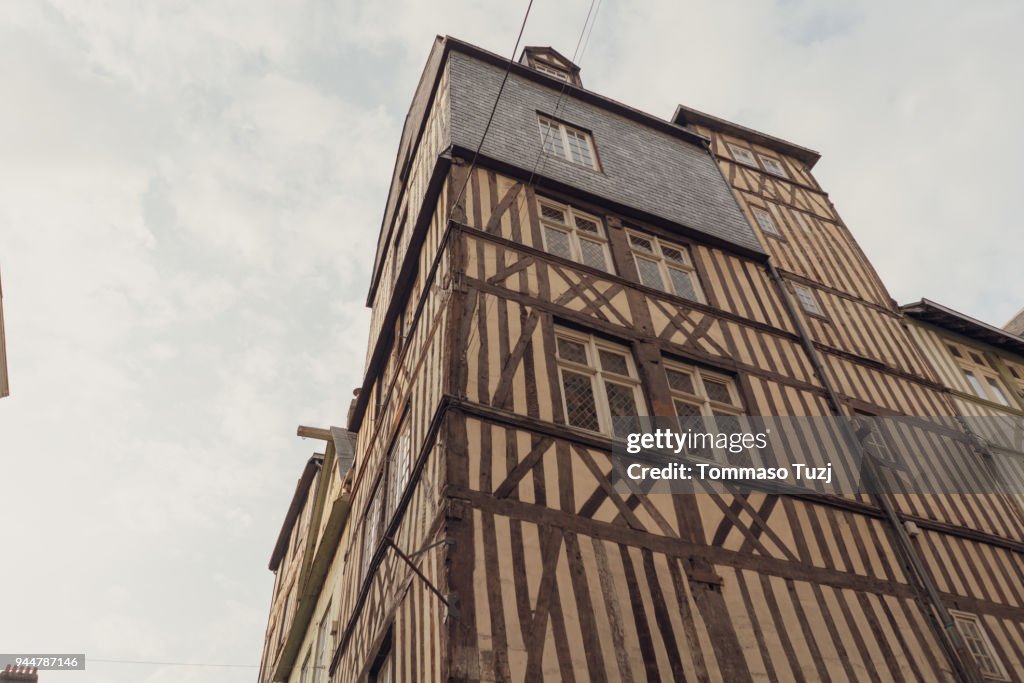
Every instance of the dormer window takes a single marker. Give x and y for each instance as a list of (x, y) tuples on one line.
[(551, 62), (552, 71), (572, 144)]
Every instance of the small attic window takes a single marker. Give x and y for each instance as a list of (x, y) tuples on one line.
[(552, 63), (552, 71)]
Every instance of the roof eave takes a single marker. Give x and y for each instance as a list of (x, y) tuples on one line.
[(298, 500), (687, 115), (960, 323)]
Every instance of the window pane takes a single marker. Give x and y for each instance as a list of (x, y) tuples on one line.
[(765, 220), (621, 403), (675, 255), (680, 381), (572, 350), (687, 410), (650, 273), (978, 645), (557, 242), (744, 156), (691, 419), (773, 166), (955, 351), (579, 401), (552, 214), (551, 136), (593, 254), (398, 470), (997, 392), (551, 71), (641, 243), (371, 528), (807, 299), (975, 384), (977, 359), (614, 362), (579, 149), (587, 225), (682, 282), (717, 391)]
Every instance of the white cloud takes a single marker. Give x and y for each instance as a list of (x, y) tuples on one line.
[(189, 201)]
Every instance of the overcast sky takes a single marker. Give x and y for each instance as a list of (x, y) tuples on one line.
[(190, 195)]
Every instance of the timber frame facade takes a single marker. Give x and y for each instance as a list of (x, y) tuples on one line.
[(484, 540)]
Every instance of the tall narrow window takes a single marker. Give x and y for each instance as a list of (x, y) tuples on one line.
[(979, 390), (808, 301), (306, 666), (572, 144), (742, 155), (765, 221), (371, 524), (398, 468), (980, 646), (575, 235), (665, 266), (323, 649), (599, 384), (773, 166), (997, 392)]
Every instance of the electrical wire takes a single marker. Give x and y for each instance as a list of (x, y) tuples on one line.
[(494, 108), (591, 18)]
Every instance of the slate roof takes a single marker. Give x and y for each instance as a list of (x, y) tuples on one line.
[(647, 164)]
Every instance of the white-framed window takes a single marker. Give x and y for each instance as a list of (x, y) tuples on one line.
[(398, 467), (981, 377), (572, 234), (665, 266), (987, 388), (808, 300), (599, 383), (572, 144), (323, 650), (765, 221), (698, 394), (742, 155), (553, 71), (773, 165), (980, 646), (372, 523)]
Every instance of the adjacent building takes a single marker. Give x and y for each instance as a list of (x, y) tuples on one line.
[(590, 261), (982, 368)]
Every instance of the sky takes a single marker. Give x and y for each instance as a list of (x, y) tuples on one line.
[(190, 194)]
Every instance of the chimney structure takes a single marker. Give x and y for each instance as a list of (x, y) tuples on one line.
[(22, 674)]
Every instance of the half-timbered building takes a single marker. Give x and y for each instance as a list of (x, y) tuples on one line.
[(555, 261), (982, 368)]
